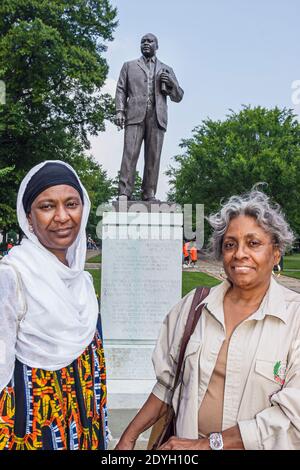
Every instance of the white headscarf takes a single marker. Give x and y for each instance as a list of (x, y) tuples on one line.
[(62, 307)]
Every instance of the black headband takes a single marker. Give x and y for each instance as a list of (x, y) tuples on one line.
[(51, 174)]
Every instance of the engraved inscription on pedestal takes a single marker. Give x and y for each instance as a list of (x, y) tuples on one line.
[(140, 282), (126, 361)]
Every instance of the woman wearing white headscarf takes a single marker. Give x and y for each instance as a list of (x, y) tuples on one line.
[(52, 369)]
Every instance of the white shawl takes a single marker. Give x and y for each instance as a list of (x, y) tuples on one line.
[(62, 307)]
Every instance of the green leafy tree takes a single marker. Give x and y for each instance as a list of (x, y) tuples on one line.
[(4, 172), (97, 184), (51, 60), (7, 213), (228, 157)]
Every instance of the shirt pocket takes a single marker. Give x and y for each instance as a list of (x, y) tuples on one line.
[(269, 370), (265, 384)]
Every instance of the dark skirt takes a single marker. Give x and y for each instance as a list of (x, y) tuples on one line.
[(57, 410)]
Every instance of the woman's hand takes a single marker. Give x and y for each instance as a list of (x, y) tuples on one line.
[(176, 443)]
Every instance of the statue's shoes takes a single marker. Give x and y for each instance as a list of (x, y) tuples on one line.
[(151, 199), (122, 197)]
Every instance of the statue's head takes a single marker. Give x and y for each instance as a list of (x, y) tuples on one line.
[(149, 45)]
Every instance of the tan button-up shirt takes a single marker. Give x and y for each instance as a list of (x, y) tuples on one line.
[(262, 387)]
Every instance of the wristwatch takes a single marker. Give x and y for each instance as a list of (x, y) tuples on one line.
[(216, 441)]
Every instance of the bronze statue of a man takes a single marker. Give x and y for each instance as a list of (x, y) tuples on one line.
[(141, 105)]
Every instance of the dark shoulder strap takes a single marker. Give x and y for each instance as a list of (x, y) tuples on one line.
[(193, 318)]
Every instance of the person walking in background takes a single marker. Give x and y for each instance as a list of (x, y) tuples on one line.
[(186, 255), (52, 368), (89, 242), (10, 245), (193, 255), (94, 246)]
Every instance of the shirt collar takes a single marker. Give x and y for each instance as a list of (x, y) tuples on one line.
[(273, 303), (152, 59)]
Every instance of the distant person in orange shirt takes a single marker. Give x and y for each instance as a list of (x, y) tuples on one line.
[(193, 255), (186, 256)]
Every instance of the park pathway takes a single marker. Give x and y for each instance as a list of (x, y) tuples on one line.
[(91, 254)]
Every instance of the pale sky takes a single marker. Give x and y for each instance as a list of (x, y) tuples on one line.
[(225, 53)]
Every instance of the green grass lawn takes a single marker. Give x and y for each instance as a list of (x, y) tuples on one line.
[(96, 273), (95, 259), (291, 261), (192, 280), (189, 281)]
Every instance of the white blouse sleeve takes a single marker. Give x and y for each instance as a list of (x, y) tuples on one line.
[(12, 309)]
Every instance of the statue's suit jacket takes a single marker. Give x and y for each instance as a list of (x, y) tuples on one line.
[(132, 93)]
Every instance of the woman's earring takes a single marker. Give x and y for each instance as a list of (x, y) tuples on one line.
[(31, 228), (277, 271)]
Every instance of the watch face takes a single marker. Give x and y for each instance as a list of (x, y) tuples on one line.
[(216, 441)]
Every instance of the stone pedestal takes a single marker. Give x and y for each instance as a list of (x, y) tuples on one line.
[(141, 281)]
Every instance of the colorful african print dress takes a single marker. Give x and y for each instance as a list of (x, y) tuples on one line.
[(57, 410)]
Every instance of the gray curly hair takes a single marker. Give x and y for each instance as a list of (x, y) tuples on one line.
[(255, 204)]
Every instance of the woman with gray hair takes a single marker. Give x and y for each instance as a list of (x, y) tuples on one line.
[(239, 386)]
